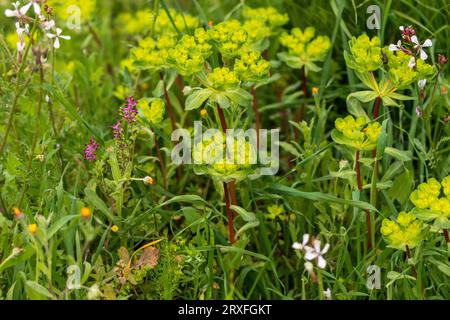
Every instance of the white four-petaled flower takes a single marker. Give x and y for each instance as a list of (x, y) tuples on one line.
[(14, 13), (422, 84), (301, 246), (47, 25), (317, 253), (395, 47), (57, 36), (36, 7), (419, 47)]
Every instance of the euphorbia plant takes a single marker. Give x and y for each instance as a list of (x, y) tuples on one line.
[(432, 203), (359, 135), (400, 68), (404, 234), (222, 92), (304, 52)]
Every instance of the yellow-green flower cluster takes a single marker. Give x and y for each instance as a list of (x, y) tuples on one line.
[(153, 112), (257, 30), (357, 133), (191, 52), (268, 15), (303, 45), (66, 9), (252, 67), (365, 54), (406, 231), (137, 23), (212, 152), (153, 54), (432, 200), (229, 37), (403, 69), (276, 211), (223, 79)]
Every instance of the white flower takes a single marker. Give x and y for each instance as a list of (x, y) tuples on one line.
[(327, 294), (419, 47), (395, 47), (301, 246), (14, 13), (20, 31), (316, 253), (36, 7), (412, 62), (422, 84), (56, 37), (20, 46), (47, 25), (309, 266)]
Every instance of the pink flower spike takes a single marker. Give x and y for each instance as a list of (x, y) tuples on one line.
[(89, 151)]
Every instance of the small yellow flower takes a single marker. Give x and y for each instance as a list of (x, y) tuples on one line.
[(203, 113), (32, 228), (149, 181), (86, 213), (315, 90), (115, 229)]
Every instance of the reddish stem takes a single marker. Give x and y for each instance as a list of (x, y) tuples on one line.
[(376, 108), (229, 214), (257, 116), (413, 268), (447, 238), (358, 172), (360, 188), (223, 123), (168, 103)]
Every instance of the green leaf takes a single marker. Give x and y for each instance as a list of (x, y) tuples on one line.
[(37, 292), (159, 89), (388, 102), (292, 61), (339, 138), (401, 155), (312, 67), (321, 197), (196, 98), (98, 203), (364, 96), (184, 198), (239, 96), (59, 224), (382, 139), (398, 96), (245, 215), (222, 100), (290, 148), (247, 226), (355, 108)]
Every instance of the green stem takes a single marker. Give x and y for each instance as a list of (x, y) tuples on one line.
[(35, 136), (18, 90)]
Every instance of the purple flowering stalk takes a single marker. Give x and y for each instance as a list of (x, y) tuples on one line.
[(89, 151), (129, 112), (117, 130)]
